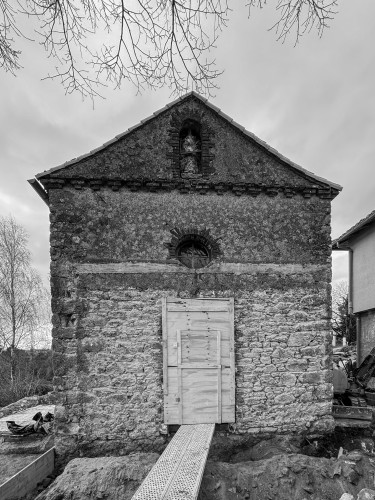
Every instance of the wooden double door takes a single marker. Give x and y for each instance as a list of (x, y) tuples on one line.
[(198, 361)]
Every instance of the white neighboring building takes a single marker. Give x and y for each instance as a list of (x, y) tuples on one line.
[(360, 242)]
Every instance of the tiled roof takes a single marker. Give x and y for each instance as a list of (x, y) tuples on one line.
[(362, 224), (239, 127)]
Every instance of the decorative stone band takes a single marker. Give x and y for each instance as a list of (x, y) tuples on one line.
[(213, 268), (192, 186)]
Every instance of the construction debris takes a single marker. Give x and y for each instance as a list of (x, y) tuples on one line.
[(39, 424)]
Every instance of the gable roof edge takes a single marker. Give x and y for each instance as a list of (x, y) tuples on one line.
[(218, 111), (362, 224)]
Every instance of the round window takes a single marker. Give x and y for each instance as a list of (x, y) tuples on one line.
[(193, 254)]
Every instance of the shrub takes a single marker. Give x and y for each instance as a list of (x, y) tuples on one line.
[(33, 375)]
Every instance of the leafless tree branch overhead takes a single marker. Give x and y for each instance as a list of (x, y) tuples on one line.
[(150, 43), (296, 17)]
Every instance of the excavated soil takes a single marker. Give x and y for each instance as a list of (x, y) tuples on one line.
[(101, 478), (282, 477), (272, 469), (288, 477)]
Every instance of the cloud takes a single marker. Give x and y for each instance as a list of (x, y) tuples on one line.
[(314, 103)]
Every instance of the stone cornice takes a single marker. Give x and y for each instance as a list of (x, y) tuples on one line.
[(191, 186)]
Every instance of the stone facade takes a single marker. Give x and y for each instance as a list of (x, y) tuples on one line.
[(114, 215)]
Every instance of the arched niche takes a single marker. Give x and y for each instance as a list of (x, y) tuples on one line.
[(190, 149)]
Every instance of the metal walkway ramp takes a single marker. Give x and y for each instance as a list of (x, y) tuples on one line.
[(177, 475)]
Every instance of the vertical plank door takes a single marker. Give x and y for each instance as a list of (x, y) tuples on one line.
[(199, 380)]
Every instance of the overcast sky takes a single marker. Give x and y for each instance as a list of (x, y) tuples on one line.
[(314, 103)]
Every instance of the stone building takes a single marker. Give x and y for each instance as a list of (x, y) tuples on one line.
[(190, 274), (359, 241)]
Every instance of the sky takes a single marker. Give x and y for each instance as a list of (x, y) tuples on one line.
[(313, 102)]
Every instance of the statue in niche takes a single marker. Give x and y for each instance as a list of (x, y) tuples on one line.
[(190, 154), (190, 144)]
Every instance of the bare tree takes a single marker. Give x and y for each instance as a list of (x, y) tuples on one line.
[(343, 323), (151, 43), (23, 306)]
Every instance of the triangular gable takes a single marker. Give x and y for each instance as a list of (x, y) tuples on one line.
[(240, 157)]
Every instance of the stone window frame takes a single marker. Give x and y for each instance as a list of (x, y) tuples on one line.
[(182, 236)]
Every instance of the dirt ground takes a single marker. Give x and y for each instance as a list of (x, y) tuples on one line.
[(288, 477), (282, 477), (279, 468), (273, 469)]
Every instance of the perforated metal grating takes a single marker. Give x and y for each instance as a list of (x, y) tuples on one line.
[(178, 473)]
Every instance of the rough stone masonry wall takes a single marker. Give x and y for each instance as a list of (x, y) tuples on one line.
[(107, 318), (284, 380)]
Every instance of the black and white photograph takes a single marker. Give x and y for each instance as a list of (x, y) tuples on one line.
[(187, 250)]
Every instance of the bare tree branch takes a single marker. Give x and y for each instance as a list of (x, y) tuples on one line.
[(8, 29), (343, 323), (150, 43), (300, 16)]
